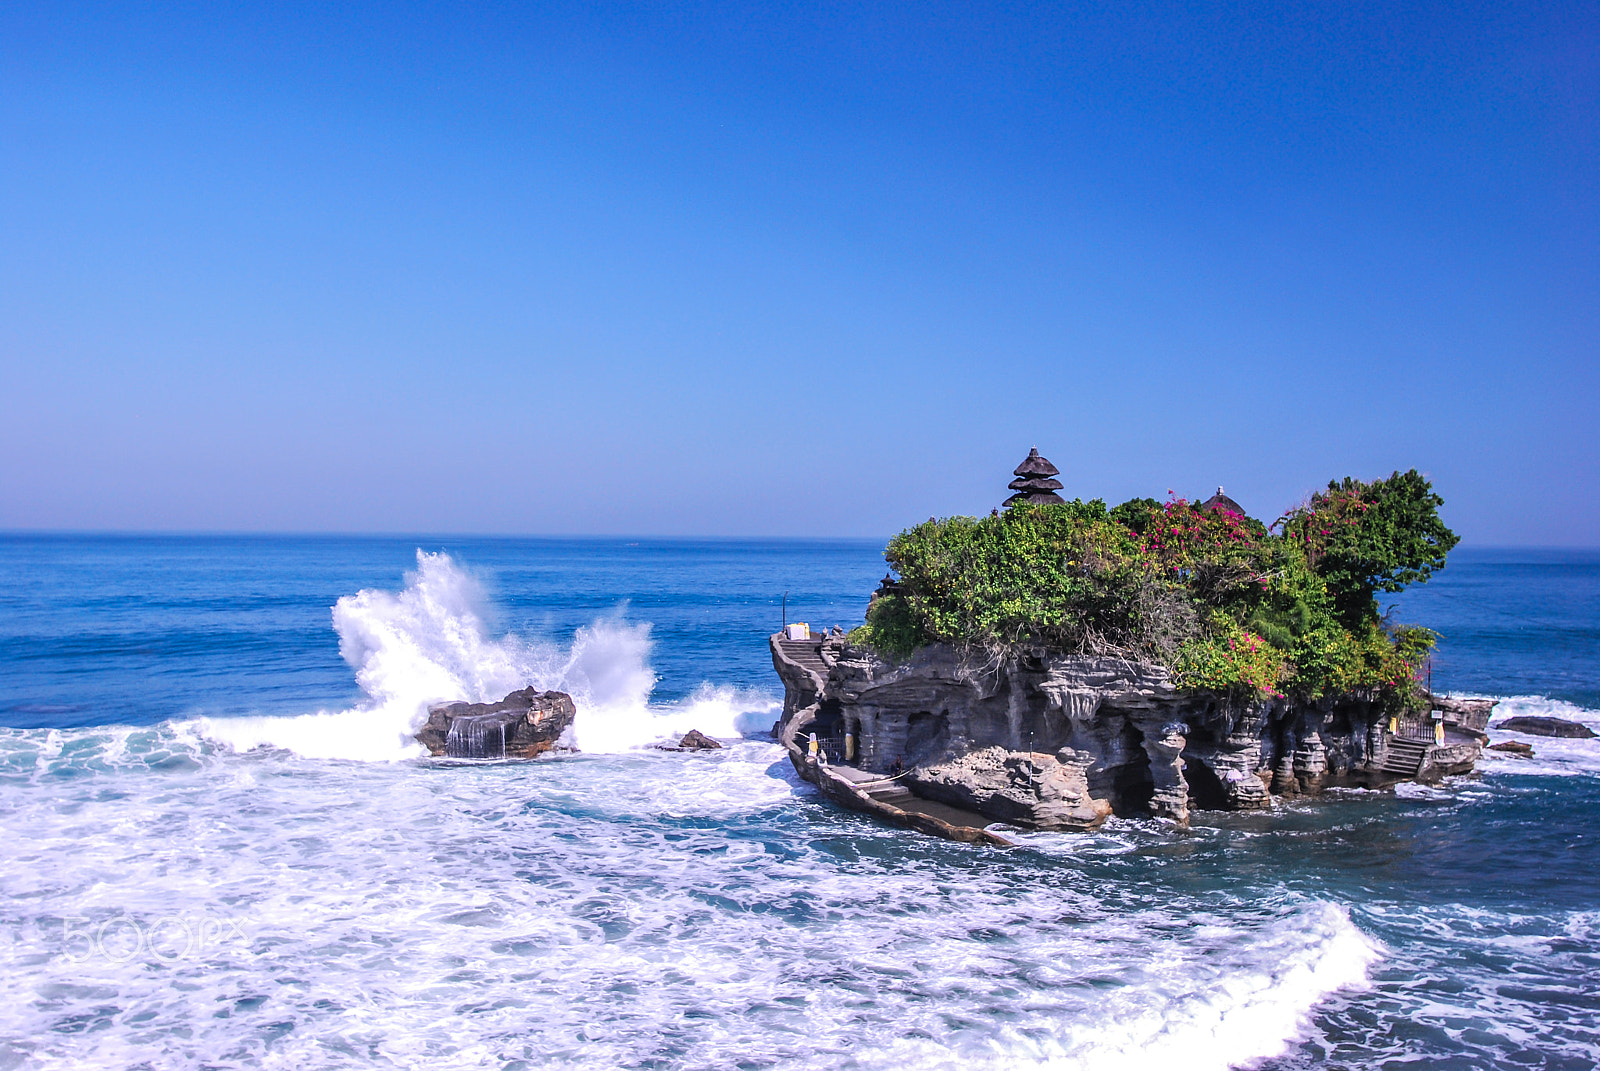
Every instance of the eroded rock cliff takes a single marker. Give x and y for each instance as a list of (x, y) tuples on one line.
[(1049, 741)]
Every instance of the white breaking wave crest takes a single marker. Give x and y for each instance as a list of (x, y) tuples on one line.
[(1551, 755), (1256, 1007), (428, 644)]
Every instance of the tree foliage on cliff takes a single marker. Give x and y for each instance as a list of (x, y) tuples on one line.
[(1228, 604)]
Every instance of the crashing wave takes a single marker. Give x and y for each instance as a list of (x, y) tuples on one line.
[(428, 644)]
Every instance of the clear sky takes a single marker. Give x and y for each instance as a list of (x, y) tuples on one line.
[(791, 269)]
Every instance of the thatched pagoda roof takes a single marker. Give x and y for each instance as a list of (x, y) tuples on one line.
[(1035, 498), (1220, 501), (1034, 465), (1034, 483)]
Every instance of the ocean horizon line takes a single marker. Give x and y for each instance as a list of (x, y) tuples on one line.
[(596, 537), (585, 537)]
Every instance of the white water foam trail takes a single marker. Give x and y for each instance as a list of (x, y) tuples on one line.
[(1248, 1015), (428, 644)]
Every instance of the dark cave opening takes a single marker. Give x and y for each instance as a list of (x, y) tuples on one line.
[(1206, 790), (1132, 786)]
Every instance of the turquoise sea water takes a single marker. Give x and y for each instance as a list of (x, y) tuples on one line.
[(220, 853)]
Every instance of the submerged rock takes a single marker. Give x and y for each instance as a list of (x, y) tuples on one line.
[(523, 724), (1539, 725)]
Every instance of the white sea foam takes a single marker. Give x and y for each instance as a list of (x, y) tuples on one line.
[(428, 644), (1413, 790), (1520, 983), (1251, 1014), (1552, 756), (601, 911)]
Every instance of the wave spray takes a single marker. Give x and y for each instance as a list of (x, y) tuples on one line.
[(428, 644)]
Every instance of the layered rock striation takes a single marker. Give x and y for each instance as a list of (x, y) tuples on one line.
[(1056, 742)]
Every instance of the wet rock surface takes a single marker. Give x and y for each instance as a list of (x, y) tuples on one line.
[(524, 724), (1537, 725), (1513, 747), (695, 740)]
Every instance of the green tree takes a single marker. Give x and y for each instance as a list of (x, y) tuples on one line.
[(1365, 537)]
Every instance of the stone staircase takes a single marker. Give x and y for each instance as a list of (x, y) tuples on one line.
[(806, 653), (1404, 757), (892, 792)]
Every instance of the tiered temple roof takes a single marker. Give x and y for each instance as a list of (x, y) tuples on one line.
[(1033, 481)]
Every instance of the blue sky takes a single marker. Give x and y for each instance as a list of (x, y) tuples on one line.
[(791, 270)]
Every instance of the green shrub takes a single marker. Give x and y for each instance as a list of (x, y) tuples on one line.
[(1061, 576), (1227, 658), (891, 628)]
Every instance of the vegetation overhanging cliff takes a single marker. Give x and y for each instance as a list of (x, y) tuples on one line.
[(1226, 604)]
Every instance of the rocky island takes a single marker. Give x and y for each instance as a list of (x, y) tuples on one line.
[(1059, 662)]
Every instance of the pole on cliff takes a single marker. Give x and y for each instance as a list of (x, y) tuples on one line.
[(785, 612)]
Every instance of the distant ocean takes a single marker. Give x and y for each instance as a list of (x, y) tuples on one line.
[(220, 850)]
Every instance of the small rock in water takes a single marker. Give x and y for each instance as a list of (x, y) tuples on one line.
[(695, 740), (523, 724), (1515, 747), (1543, 726)]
